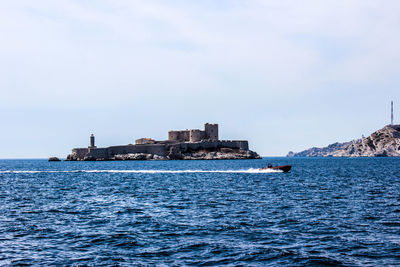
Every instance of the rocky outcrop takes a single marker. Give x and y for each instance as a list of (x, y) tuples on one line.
[(135, 156), (223, 153), (176, 154), (319, 151), (382, 143), (72, 157)]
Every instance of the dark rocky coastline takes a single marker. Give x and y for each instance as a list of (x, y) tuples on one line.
[(177, 154), (382, 143)]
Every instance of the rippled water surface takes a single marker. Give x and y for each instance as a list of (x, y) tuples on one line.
[(325, 212)]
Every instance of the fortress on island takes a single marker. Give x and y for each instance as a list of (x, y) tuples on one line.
[(186, 144)]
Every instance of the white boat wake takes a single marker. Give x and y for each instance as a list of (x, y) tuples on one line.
[(251, 170)]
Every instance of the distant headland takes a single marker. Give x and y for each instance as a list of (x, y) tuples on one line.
[(382, 143), (193, 144)]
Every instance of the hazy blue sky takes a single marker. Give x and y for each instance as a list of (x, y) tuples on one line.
[(286, 75)]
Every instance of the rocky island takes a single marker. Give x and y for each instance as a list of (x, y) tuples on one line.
[(382, 143), (190, 144)]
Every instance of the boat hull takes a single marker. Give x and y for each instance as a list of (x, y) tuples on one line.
[(284, 168)]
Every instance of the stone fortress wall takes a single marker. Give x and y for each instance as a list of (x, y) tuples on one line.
[(80, 152), (144, 141), (158, 149), (234, 144), (196, 136), (210, 132), (179, 136), (185, 141)]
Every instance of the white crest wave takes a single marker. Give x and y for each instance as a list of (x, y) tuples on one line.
[(251, 170)]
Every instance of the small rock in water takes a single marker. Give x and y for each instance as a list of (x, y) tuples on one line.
[(54, 159)]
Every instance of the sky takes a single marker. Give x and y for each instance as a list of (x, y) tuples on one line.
[(285, 75)]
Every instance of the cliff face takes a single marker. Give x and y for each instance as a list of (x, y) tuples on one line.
[(382, 143)]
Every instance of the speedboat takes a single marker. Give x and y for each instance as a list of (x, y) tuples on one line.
[(284, 168)]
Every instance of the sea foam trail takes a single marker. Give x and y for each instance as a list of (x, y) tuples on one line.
[(251, 170)]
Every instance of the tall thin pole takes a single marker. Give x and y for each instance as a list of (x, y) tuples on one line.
[(391, 117)]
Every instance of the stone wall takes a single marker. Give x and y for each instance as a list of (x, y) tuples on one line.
[(157, 149), (80, 152), (98, 153), (235, 144), (179, 136), (241, 144), (196, 135), (143, 141)]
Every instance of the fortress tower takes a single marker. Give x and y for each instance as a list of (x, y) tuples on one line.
[(180, 136), (211, 131), (196, 136)]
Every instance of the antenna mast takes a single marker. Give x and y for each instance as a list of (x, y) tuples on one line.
[(391, 117)]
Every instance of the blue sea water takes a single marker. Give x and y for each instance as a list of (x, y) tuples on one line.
[(327, 211)]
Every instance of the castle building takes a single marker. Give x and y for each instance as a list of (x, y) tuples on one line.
[(209, 133), (186, 140)]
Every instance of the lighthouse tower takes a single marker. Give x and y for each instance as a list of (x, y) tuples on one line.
[(92, 145)]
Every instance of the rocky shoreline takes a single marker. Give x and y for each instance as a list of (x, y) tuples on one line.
[(176, 154), (382, 143)]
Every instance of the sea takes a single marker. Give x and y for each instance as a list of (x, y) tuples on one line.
[(325, 212)]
